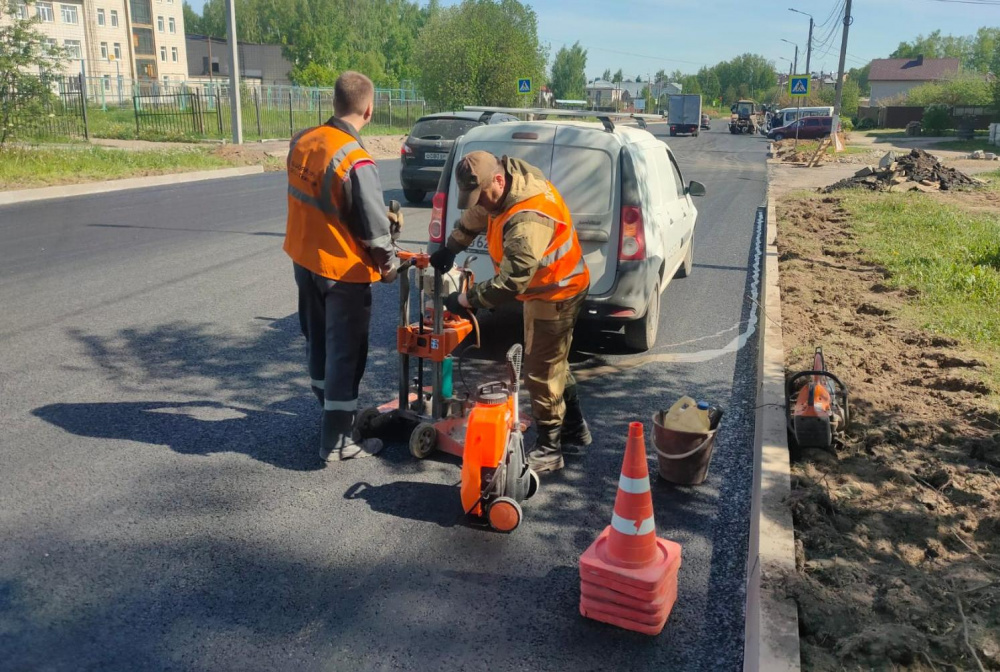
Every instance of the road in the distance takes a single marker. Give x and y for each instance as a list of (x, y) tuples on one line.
[(161, 505)]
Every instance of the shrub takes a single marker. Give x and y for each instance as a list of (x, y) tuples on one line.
[(937, 118)]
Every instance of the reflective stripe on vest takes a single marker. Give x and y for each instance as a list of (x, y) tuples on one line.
[(562, 272), (316, 236)]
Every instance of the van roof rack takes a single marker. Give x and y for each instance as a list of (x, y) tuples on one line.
[(604, 117)]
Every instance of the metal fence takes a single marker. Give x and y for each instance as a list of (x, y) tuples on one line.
[(115, 107), (53, 111)]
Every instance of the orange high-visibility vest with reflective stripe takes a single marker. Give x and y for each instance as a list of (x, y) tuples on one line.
[(316, 235), (562, 273)]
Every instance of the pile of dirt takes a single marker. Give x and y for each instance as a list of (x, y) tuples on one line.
[(383, 146), (790, 151), (897, 532), (253, 154), (892, 174)]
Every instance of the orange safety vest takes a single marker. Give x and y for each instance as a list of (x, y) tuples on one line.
[(562, 273), (316, 235)]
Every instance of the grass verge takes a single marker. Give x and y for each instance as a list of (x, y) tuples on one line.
[(22, 167), (967, 145), (948, 254)]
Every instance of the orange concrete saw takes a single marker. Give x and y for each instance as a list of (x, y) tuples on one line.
[(818, 411), (495, 473)]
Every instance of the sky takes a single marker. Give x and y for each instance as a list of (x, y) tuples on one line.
[(643, 36)]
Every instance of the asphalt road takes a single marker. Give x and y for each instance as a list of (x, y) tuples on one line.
[(162, 507)]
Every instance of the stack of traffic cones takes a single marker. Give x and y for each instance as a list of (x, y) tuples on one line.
[(628, 577)]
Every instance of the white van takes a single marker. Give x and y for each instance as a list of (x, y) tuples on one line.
[(608, 176), (787, 115)]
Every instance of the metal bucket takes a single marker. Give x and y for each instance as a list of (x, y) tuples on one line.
[(683, 457)]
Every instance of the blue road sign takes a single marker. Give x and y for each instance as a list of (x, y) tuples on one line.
[(798, 86), (524, 85)]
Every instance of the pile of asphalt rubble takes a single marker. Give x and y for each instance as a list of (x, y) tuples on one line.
[(916, 171)]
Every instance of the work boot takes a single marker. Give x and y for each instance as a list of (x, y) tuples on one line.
[(547, 453), (574, 428), (339, 441)]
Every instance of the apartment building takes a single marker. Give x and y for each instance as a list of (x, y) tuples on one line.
[(171, 47), (131, 39)]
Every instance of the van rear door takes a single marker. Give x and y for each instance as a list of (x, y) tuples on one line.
[(530, 142), (585, 172)]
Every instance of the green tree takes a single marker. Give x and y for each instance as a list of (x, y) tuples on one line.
[(709, 82), (730, 96), (607, 75), (962, 89), (974, 51), (860, 76), (569, 79), (691, 84), (474, 53), (661, 76), (618, 77), (27, 64)]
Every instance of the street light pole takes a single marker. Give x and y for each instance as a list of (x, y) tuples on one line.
[(795, 65), (236, 114), (809, 44)]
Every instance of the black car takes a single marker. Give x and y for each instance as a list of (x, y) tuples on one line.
[(426, 148)]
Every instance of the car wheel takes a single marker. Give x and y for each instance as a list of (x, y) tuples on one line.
[(685, 270), (778, 137), (673, 134), (641, 334), (414, 195)]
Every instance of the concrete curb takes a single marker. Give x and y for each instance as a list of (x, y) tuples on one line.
[(772, 629), (69, 190)]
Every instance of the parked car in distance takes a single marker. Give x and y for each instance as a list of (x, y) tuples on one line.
[(426, 148), (706, 123), (632, 211), (809, 128)]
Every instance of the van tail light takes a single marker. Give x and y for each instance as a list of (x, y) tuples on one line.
[(435, 230), (633, 235), (405, 150)]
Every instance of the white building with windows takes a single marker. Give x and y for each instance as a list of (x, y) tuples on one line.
[(114, 41)]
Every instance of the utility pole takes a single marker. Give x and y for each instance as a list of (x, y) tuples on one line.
[(236, 114), (840, 72), (795, 65), (809, 49)]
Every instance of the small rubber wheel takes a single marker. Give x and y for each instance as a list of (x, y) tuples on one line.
[(533, 484), (504, 514), (422, 440), (366, 419)]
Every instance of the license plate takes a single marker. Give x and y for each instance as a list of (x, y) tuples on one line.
[(436, 156), (479, 244)]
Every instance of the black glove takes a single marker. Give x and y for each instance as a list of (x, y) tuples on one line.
[(443, 260), (454, 307)]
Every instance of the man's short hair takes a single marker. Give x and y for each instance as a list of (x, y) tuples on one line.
[(352, 93)]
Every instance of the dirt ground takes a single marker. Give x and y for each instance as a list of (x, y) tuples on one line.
[(253, 153), (898, 532)]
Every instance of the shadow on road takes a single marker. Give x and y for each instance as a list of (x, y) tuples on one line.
[(436, 503)]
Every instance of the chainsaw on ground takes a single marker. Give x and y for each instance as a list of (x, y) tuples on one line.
[(818, 411), (495, 473)]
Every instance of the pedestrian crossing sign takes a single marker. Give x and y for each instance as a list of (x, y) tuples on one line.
[(798, 86), (524, 85)]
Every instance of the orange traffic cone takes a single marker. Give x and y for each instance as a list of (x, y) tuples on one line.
[(628, 576)]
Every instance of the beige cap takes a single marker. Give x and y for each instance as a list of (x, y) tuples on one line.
[(473, 171)]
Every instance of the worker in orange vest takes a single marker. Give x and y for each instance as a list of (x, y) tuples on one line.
[(539, 261), (340, 238)]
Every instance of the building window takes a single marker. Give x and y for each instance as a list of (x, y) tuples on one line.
[(51, 44), (69, 14), (45, 12), (159, 23), (100, 18), (107, 82), (22, 10), (104, 50), (118, 51), (142, 41), (172, 23), (142, 12), (114, 18), (173, 54), (163, 54), (73, 49)]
